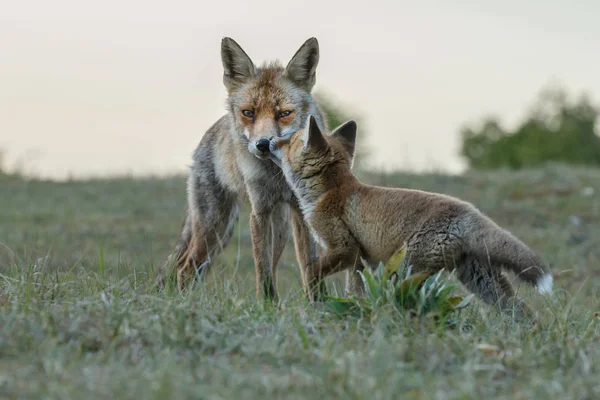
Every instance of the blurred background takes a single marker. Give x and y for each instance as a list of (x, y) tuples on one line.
[(129, 87)]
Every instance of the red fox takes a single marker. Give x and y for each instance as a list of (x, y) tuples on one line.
[(231, 164), (352, 221)]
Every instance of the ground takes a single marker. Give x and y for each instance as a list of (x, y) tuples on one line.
[(80, 318)]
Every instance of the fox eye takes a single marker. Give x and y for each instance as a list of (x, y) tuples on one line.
[(284, 114), (248, 113)]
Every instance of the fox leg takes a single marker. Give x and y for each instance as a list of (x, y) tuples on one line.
[(262, 247), (328, 264), (306, 252), (212, 212), (209, 237), (432, 252), (183, 242), (354, 283), (492, 286), (280, 231)]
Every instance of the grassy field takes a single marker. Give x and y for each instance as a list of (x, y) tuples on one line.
[(80, 319)]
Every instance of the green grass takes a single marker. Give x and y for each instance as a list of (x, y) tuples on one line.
[(79, 316)]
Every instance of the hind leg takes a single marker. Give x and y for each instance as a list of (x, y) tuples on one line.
[(493, 287), (208, 239), (165, 271), (212, 214)]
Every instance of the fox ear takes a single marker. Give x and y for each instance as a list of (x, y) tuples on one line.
[(346, 134), (303, 66), (313, 137), (238, 67)]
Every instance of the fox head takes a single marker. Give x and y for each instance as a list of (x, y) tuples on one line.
[(269, 101), (309, 154)]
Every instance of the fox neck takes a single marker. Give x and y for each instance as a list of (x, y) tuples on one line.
[(310, 189)]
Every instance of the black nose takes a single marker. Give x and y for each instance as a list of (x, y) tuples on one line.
[(262, 145)]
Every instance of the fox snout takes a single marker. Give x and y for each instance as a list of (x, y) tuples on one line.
[(260, 148), (262, 145), (275, 152), (275, 144), (272, 145)]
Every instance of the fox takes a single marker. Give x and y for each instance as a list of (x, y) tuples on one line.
[(355, 223), (231, 166)]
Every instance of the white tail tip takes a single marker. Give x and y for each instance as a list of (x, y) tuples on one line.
[(545, 283)]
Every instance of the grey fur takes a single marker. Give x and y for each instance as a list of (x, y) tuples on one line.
[(228, 170)]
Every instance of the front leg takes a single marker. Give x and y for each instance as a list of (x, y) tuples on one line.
[(306, 251), (280, 232), (354, 283), (261, 235), (329, 263)]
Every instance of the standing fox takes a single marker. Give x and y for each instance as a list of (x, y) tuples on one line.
[(351, 221), (231, 164)]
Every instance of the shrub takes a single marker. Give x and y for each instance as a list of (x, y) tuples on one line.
[(419, 295)]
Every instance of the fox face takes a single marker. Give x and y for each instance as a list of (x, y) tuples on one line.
[(308, 153), (269, 101)]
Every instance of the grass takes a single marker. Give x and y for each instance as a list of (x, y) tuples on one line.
[(79, 316)]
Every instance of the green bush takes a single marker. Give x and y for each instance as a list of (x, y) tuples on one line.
[(556, 130), (414, 295)]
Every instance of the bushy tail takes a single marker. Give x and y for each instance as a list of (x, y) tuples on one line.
[(490, 242)]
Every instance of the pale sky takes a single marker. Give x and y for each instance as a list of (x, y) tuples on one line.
[(130, 86)]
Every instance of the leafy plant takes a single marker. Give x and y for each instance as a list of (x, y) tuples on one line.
[(393, 284)]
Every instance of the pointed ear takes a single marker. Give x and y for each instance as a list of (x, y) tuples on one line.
[(313, 137), (346, 134), (303, 66), (238, 67)]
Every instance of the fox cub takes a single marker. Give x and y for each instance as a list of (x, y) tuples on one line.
[(356, 224)]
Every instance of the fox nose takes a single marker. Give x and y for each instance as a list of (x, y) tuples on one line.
[(262, 145)]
